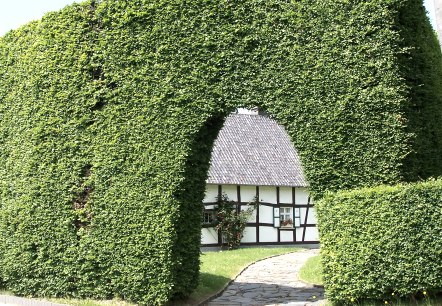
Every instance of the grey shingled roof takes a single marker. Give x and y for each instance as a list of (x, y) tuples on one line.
[(254, 150)]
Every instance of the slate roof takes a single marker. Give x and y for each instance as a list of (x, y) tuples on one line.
[(254, 150)]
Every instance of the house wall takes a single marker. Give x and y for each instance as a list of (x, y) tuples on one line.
[(261, 227)]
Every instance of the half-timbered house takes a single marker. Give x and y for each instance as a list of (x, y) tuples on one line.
[(254, 159)]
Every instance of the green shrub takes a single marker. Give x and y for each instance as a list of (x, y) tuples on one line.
[(109, 109), (383, 242)]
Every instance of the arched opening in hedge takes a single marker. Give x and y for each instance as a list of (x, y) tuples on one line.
[(254, 162)]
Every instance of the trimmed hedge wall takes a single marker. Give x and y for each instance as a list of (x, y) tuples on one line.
[(421, 65), (109, 110), (382, 242)]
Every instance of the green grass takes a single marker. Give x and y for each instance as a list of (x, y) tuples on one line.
[(89, 302), (217, 269), (311, 272)]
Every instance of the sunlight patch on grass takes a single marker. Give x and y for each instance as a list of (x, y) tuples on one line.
[(311, 272), (89, 302)]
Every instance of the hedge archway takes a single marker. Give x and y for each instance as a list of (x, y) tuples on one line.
[(109, 110)]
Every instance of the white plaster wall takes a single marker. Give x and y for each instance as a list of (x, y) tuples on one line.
[(311, 218), (299, 232), (285, 195), (301, 195), (211, 193), (303, 211), (267, 194), (286, 236), (252, 218), (249, 235), (231, 192), (311, 234), (268, 234), (265, 214), (248, 193), (209, 236)]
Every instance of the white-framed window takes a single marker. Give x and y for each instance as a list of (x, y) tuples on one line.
[(286, 216)]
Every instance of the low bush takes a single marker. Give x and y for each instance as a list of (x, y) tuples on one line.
[(382, 242)]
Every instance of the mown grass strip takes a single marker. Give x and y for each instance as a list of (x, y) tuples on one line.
[(311, 272)]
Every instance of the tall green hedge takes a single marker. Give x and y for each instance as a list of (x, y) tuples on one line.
[(383, 242), (421, 65), (108, 111)]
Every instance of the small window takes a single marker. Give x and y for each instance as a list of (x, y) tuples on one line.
[(209, 217), (286, 216)]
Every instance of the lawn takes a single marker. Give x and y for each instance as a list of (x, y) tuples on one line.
[(217, 269), (311, 273)]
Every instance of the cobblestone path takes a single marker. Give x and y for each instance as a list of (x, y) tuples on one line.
[(272, 282)]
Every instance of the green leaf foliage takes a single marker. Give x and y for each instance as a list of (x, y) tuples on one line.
[(109, 109), (421, 66), (382, 242)]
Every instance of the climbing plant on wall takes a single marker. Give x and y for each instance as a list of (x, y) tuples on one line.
[(231, 220), (109, 110)]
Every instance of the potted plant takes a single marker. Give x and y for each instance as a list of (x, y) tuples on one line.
[(287, 223)]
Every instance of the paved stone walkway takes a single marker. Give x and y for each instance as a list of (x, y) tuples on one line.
[(272, 282)]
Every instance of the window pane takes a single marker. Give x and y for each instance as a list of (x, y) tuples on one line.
[(208, 217)]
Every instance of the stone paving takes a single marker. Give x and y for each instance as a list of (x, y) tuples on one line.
[(272, 282)]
